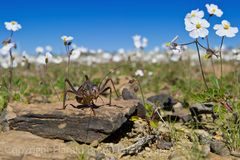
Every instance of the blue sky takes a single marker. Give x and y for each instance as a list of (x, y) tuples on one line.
[(107, 24)]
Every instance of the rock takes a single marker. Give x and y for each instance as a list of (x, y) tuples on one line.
[(177, 155), (198, 109), (205, 149), (127, 94), (177, 107), (203, 136), (213, 156), (182, 115), (16, 145), (186, 118), (115, 148), (95, 143), (163, 100), (236, 153), (47, 120), (148, 149), (219, 148), (141, 111), (164, 145), (100, 156)]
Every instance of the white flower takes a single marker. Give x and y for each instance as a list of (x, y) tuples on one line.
[(140, 42), (48, 57), (74, 46), (44, 59), (99, 51), (57, 60), (121, 51), (83, 49), (225, 29), (144, 42), (139, 72), (214, 10), (136, 38), (25, 56), (75, 54), (177, 50), (175, 57), (194, 14), (49, 48), (6, 48), (6, 64), (39, 50), (12, 26), (150, 73), (156, 49), (117, 58), (67, 39), (197, 27), (40, 59), (137, 41)]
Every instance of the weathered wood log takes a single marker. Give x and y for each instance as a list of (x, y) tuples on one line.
[(80, 124), (138, 146)]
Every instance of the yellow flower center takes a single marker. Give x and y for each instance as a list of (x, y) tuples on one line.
[(198, 26), (214, 10), (226, 26), (13, 22), (65, 39), (193, 15)]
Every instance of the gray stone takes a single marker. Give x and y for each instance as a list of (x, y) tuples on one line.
[(177, 107), (163, 100), (219, 148), (177, 155), (141, 111), (127, 94), (236, 153), (203, 136), (100, 156), (182, 115), (49, 121), (198, 109), (205, 149), (164, 145)]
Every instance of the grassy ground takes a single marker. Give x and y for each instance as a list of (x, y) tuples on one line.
[(182, 80)]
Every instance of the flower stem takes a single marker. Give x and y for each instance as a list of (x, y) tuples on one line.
[(10, 71), (11, 35), (48, 79), (68, 62), (220, 54), (212, 63), (185, 44), (10, 76), (201, 45), (201, 67), (213, 68), (140, 86)]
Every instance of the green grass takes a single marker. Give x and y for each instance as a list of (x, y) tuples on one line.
[(180, 78)]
